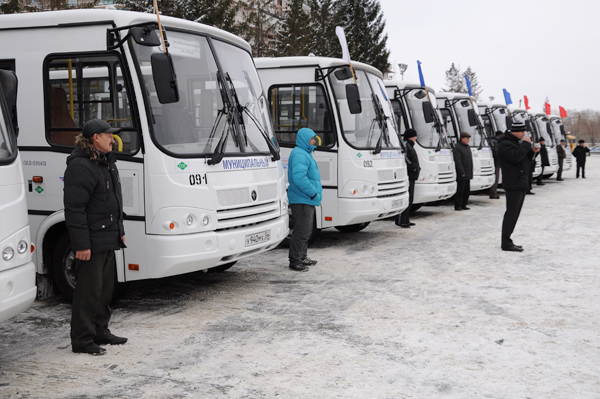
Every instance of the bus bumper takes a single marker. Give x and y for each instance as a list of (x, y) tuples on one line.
[(479, 182), (17, 290), (362, 210), (179, 254), (433, 192)]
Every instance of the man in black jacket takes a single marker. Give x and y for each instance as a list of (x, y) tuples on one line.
[(515, 154), (562, 154), (413, 168), (580, 152), (545, 160), (94, 217), (463, 161)]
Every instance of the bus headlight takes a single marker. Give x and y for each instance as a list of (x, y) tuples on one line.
[(364, 189), (284, 206), (189, 220), (22, 247), (205, 220), (8, 253)]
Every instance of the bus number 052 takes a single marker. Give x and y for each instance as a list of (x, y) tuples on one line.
[(197, 179)]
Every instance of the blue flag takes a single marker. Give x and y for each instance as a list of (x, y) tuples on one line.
[(468, 85), (507, 97), (421, 74)]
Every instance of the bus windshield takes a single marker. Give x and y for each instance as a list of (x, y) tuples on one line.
[(366, 130), (462, 108), (7, 140), (427, 133), (543, 129), (500, 119), (201, 119)]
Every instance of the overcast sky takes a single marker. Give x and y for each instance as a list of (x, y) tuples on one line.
[(536, 48)]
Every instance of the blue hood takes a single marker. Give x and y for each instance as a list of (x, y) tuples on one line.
[(303, 138)]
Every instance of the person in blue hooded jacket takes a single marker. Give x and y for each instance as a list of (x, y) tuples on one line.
[(304, 193)]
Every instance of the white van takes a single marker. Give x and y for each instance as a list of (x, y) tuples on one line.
[(199, 165), (17, 271), (461, 114), (416, 108), (360, 159)]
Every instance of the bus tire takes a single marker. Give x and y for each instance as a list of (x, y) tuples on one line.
[(352, 228), (221, 268), (63, 262)]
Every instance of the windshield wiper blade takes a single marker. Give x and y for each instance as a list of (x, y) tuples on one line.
[(382, 122), (272, 149), (220, 148)]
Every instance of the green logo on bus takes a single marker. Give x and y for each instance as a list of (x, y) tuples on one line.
[(359, 155), (182, 166), (39, 189)]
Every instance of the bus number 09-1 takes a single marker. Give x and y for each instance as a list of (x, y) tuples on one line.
[(197, 179)]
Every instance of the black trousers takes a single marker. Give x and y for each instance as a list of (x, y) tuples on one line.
[(91, 300), (514, 204), (463, 190), (539, 178), (560, 168), (494, 188), (303, 216), (580, 165), (404, 217)]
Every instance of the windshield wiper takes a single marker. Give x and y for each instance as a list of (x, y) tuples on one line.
[(382, 122), (229, 110)]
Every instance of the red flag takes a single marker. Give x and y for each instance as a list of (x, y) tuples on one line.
[(548, 109), (563, 112), (526, 103)]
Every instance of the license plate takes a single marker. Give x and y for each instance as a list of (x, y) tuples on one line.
[(396, 204), (258, 238)]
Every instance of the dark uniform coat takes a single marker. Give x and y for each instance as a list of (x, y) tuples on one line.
[(412, 161), (515, 160), (580, 153), (463, 160)]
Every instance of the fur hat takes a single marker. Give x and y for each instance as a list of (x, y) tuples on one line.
[(410, 133)]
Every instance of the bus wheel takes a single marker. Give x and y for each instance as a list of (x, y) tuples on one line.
[(352, 228), (63, 270), (221, 268), (313, 235)]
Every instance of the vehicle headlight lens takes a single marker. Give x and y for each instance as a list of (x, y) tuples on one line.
[(364, 189), (372, 189), (205, 220), (22, 247), (284, 205), (189, 220), (8, 253)]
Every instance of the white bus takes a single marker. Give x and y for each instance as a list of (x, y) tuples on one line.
[(461, 114), (541, 123), (17, 272), (415, 108), (362, 166), (523, 116), (558, 130), (199, 165)]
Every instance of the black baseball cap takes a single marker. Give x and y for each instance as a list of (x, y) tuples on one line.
[(97, 126)]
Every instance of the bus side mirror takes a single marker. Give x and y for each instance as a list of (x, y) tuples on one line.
[(528, 125), (353, 98), (145, 36), (8, 86), (343, 73), (165, 80), (509, 121), (472, 117), (428, 112)]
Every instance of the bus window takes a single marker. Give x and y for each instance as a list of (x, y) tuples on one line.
[(84, 88), (294, 107)]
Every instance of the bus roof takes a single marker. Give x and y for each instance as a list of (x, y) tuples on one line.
[(309, 61), (116, 17), (406, 84)]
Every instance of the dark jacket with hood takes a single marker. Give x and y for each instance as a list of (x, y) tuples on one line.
[(463, 159), (412, 161), (515, 160), (580, 153), (93, 199), (303, 172)]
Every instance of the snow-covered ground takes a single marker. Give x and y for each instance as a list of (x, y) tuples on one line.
[(435, 311)]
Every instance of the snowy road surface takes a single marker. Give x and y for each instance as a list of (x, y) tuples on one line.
[(435, 311)]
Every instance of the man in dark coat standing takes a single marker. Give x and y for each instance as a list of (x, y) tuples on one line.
[(413, 168), (580, 152), (494, 145), (515, 153), (94, 217), (463, 160), (562, 154), (545, 160)]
